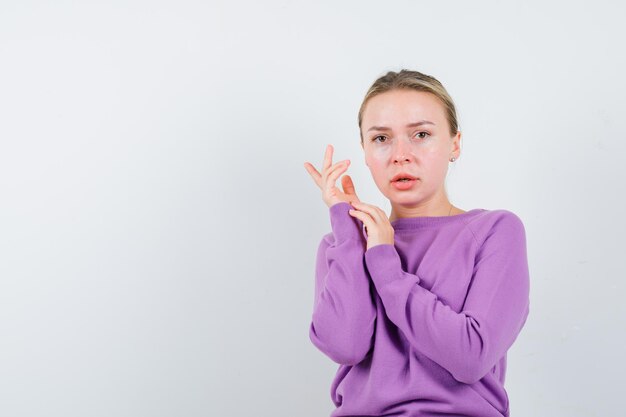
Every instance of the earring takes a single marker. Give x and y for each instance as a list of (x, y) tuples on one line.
[(452, 159)]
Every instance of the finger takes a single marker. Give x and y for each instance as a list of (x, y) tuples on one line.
[(361, 215), (364, 217), (315, 174), (348, 186), (333, 169), (341, 164), (333, 174), (328, 157), (317, 177), (375, 212)]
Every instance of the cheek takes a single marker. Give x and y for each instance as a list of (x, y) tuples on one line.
[(377, 165), (433, 155), (434, 165), (380, 154), (431, 152)]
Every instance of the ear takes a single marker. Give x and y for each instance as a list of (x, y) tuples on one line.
[(456, 145)]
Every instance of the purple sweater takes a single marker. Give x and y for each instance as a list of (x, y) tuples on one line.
[(421, 327)]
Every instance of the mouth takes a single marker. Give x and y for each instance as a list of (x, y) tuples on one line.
[(403, 177), (404, 183)]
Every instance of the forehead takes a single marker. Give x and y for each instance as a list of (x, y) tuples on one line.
[(403, 106)]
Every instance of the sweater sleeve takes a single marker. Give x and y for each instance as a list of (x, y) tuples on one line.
[(344, 314), (469, 343)]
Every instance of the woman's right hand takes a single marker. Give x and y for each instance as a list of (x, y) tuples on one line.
[(326, 180)]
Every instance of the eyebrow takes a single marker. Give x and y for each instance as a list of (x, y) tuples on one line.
[(415, 124)]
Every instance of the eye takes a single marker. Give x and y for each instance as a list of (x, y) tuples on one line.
[(423, 133), (376, 137)]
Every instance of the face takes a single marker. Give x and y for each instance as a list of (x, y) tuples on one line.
[(406, 131)]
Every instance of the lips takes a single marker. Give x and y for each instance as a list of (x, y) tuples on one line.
[(403, 175)]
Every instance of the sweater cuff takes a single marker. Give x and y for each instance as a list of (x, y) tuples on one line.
[(384, 264), (345, 226)]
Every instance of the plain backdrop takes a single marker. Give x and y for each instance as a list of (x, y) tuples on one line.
[(158, 229)]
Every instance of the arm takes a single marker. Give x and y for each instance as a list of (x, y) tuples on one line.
[(344, 314), (469, 343)]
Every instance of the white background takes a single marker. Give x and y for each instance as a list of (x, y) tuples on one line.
[(158, 228)]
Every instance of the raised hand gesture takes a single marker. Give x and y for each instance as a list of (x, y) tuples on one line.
[(326, 180)]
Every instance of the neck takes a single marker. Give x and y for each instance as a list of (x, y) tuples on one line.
[(427, 209)]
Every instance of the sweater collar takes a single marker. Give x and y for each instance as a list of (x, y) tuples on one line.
[(424, 221)]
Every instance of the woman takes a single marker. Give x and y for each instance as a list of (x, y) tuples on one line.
[(418, 309)]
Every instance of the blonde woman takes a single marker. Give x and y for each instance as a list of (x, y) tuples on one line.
[(419, 308)]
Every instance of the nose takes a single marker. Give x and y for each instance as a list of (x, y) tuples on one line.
[(402, 151)]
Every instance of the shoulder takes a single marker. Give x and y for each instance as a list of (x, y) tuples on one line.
[(500, 222)]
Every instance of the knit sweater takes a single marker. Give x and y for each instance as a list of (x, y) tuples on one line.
[(421, 327)]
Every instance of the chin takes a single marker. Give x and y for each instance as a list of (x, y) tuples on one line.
[(404, 199)]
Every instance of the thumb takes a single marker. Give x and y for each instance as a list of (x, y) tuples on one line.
[(348, 188)]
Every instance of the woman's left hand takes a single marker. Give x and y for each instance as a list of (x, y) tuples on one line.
[(377, 226)]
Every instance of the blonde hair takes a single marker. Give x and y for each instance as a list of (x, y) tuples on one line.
[(407, 80)]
